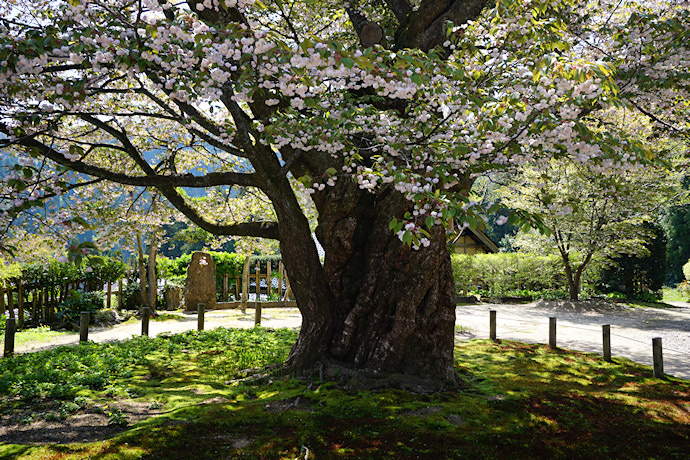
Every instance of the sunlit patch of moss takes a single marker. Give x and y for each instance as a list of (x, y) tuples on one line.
[(515, 394)]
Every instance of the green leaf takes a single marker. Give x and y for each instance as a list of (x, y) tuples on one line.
[(429, 221), (407, 238), (347, 62)]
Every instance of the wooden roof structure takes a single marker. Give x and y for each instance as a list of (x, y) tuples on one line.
[(468, 241)]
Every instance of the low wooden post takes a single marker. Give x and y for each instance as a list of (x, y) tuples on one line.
[(658, 356), (257, 314), (225, 287), (119, 294), (84, 326), (10, 329), (492, 324), (200, 310), (606, 330), (237, 287), (245, 285), (552, 332), (145, 316)]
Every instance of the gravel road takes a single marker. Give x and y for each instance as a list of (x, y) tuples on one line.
[(578, 327)]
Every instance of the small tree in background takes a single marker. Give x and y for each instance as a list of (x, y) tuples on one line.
[(590, 213)]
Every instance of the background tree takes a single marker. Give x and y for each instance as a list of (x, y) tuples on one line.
[(589, 214), (385, 111)]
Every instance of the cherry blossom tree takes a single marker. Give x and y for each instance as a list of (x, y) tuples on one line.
[(591, 215), (384, 111)]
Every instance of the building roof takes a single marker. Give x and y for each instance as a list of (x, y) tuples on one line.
[(478, 239)]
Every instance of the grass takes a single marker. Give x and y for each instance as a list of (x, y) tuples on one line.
[(39, 334), (462, 329), (642, 304), (676, 294), (520, 401)]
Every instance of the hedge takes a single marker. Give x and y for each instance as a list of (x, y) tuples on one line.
[(507, 274)]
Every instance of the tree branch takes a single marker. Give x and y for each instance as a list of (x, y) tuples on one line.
[(176, 180), (400, 8), (268, 230), (423, 28)]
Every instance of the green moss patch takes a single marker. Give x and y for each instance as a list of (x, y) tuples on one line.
[(521, 401)]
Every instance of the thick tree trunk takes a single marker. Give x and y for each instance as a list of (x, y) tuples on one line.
[(387, 309)]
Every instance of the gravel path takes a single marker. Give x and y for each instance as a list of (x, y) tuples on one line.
[(270, 318), (578, 327)]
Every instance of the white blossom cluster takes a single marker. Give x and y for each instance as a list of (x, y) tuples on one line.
[(420, 124)]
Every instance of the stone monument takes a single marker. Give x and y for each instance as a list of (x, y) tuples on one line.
[(201, 282)]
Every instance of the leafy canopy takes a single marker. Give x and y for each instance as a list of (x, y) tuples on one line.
[(239, 93)]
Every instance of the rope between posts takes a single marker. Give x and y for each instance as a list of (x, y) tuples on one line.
[(589, 329)]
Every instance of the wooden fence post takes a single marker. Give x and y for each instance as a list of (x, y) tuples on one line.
[(492, 324), (552, 332), (268, 278), (34, 305), (258, 281), (606, 330), (280, 280), (658, 356), (20, 304), (145, 316), (10, 329), (245, 285), (84, 326), (257, 313), (225, 287), (200, 310)]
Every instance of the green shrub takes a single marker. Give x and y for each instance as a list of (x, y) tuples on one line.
[(131, 295), (655, 296), (77, 302)]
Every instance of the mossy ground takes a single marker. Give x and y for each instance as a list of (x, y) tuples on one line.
[(521, 401)]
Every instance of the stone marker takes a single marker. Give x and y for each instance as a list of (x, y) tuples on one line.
[(173, 298), (201, 282)]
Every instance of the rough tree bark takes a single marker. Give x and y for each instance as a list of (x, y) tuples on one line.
[(378, 307), (375, 306)]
